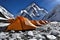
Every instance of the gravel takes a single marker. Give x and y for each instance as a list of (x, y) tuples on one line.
[(50, 31)]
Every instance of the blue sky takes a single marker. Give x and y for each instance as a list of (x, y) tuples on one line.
[(15, 6)]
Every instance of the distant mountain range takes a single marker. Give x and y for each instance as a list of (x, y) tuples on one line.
[(33, 12)]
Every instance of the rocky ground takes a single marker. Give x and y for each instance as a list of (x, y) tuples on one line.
[(49, 31)]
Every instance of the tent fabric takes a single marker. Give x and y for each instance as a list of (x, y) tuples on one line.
[(22, 23), (19, 24)]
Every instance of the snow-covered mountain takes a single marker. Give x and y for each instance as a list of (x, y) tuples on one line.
[(33, 12), (54, 15), (5, 14)]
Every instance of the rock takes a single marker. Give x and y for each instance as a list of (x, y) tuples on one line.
[(17, 35), (40, 39), (51, 37), (32, 39), (55, 32), (12, 31), (53, 22), (30, 33), (3, 35), (58, 37), (11, 38), (0, 39), (38, 36), (6, 32)]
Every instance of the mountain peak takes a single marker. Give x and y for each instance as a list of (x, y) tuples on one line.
[(5, 13), (34, 5), (34, 12)]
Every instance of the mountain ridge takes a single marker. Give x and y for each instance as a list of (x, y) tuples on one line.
[(34, 12), (4, 12)]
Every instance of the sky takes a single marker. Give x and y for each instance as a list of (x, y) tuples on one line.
[(15, 6)]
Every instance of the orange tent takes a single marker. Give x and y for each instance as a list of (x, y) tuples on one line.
[(22, 23)]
